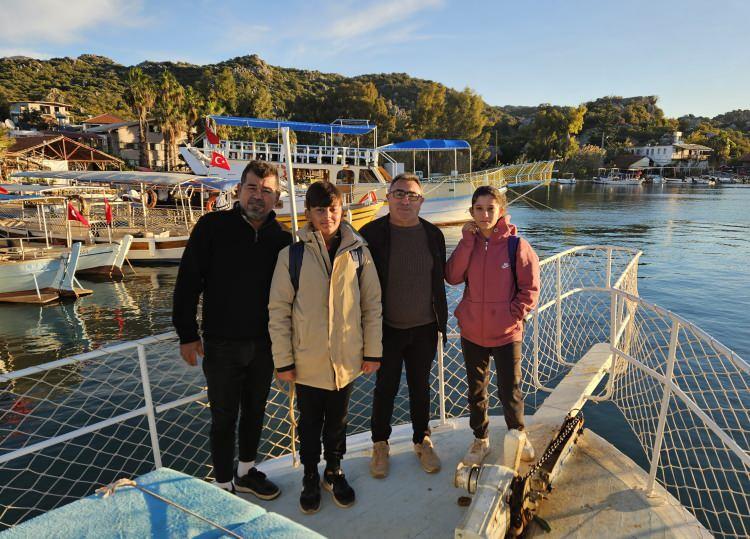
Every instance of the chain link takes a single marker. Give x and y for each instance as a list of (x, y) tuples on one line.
[(569, 424)]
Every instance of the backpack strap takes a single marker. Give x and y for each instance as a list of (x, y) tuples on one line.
[(296, 254), (513, 242), (359, 258)]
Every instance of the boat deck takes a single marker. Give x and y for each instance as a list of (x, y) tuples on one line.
[(597, 490)]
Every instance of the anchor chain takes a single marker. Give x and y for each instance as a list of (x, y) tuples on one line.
[(524, 499)]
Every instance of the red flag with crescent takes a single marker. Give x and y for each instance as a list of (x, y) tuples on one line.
[(75, 215), (218, 160), (3, 190), (107, 211), (212, 137)]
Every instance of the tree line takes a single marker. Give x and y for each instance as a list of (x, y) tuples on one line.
[(176, 97)]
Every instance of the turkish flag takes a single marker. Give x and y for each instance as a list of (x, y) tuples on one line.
[(107, 212), (75, 215), (218, 160), (212, 137), (3, 190)]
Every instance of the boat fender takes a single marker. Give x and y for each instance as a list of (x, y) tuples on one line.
[(151, 198), (83, 207)]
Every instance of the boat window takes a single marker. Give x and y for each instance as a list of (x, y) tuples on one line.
[(345, 176)]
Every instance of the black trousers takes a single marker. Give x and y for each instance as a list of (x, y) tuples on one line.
[(508, 366), (238, 376), (415, 348), (322, 411)]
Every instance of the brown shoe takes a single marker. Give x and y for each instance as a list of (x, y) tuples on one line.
[(427, 457), (379, 461)]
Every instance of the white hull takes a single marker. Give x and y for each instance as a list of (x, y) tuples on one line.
[(607, 181), (39, 280), (565, 181)]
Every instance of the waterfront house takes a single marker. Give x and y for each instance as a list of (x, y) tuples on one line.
[(122, 140), (630, 161), (675, 153), (102, 119), (52, 112)]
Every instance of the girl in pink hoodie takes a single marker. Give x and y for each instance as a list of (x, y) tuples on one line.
[(495, 302)]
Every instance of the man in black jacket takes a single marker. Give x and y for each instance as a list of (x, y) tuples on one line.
[(230, 260), (409, 254)]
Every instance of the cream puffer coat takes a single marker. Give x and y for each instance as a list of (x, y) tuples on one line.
[(334, 321)]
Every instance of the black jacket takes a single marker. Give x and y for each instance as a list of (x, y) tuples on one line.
[(378, 236), (232, 266)]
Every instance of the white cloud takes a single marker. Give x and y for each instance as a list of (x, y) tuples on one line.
[(11, 51), (377, 16), (55, 21)]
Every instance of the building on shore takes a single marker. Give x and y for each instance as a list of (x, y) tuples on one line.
[(122, 139), (98, 121), (630, 161), (675, 153), (52, 112)]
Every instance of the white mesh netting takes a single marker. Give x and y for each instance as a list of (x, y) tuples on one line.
[(70, 426)]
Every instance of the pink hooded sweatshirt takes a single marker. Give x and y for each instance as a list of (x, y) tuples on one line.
[(491, 313)]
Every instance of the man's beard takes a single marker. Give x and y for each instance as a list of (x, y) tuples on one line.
[(255, 212)]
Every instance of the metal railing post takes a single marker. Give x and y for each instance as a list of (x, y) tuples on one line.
[(441, 379), (609, 267), (612, 341), (150, 414), (558, 314), (656, 451)]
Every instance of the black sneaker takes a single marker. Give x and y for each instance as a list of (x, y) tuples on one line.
[(335, 482), (255, 482), (309, 500)]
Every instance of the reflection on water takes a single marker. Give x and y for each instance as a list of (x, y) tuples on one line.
[(696, 254)]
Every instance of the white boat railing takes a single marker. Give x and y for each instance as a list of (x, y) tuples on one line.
[(301, 153), (506, 175), (69, 426)]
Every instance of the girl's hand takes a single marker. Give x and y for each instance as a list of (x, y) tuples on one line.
[(470, 228)]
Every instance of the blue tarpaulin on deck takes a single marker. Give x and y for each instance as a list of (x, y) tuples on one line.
[(259, 123), (423, 144)]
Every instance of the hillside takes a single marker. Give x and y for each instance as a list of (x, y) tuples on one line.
[(401, 105)]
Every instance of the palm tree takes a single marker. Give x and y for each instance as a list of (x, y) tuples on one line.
[(170, 113), (193, 107), (141, 96)]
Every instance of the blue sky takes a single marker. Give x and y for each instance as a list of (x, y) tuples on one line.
[(695, 55)]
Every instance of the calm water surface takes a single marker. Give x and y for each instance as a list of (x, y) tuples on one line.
[(696, 244)]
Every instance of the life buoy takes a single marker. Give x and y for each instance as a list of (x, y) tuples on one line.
[(211, 202), (369, 198), (151, 198)]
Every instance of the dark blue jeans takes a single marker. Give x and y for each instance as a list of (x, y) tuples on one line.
[(238, 376)]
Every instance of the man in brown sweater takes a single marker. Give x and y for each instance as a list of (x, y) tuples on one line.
[(409, 254)]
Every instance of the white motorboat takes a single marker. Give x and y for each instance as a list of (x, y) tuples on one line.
[(38, 279), (701, 180), (614, 177), (567, 179)]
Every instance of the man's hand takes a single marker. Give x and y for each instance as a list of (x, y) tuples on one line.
[(190, 352), (287, 376), (369, 367)]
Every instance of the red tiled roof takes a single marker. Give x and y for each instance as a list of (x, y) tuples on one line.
[(104, 119)]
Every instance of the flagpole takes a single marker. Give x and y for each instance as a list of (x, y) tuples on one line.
[(290, 179)]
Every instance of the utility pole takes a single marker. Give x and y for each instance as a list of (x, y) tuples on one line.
[(497, 150)]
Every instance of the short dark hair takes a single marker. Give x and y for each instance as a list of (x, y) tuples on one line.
[(405, 177), (494, 192), (262, 169), (322, 195)]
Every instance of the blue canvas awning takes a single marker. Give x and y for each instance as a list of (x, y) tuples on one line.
[(425, 144), (328, 129)]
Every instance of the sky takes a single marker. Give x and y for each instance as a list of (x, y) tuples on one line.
[(694, 55)]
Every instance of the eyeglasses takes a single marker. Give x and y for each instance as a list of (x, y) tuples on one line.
[(401, 194)]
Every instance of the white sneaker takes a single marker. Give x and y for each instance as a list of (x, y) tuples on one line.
[(528, 454), (477, 451)]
